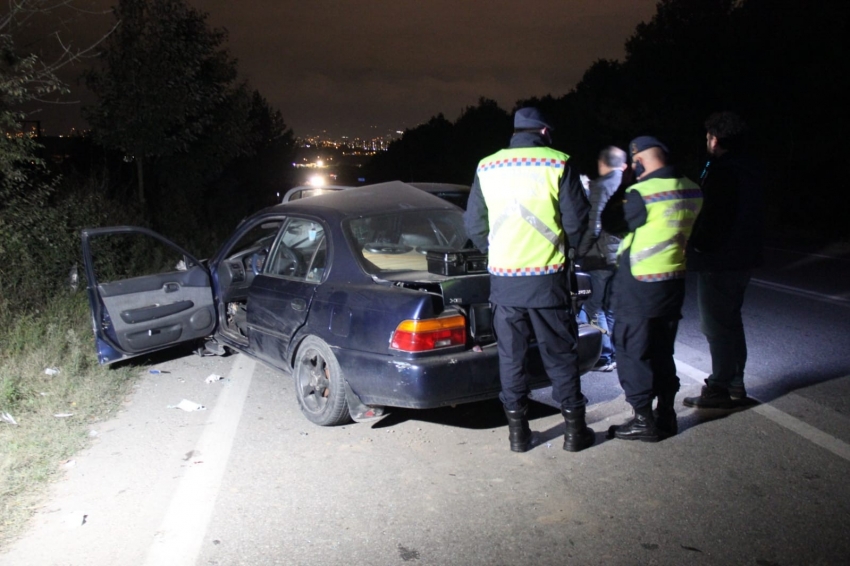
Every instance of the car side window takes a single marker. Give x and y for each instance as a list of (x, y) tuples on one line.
[(319, 262), (296, 252), (120, 255)]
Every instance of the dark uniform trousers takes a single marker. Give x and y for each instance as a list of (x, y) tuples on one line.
[(557, 339), (645, 358)]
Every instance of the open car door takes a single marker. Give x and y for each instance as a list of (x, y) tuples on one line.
[(145, 292)]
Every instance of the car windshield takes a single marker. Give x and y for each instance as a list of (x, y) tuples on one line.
[(398, 242)]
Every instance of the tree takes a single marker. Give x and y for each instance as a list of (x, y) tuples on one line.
[(165, 83), (273, 147), (420, 154), (35, 238), (479, 131)]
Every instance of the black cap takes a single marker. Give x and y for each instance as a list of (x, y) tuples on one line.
[(530, 118), (642, 143)]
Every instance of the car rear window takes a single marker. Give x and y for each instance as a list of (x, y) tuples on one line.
[(398, 242)]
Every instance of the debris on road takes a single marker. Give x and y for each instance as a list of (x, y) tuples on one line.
[(75, 519), (187, 405), (7, 418), (51, 371), (158, 371), (63, 415), (212, 378)]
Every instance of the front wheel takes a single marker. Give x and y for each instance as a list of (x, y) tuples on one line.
[(319, 384)]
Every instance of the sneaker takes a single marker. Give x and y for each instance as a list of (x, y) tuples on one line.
[(737, 392), (712, 397), (605, 367)]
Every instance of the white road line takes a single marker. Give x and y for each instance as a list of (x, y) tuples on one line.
[(834, 299), (181, 534), (807, 431), (822, 256)]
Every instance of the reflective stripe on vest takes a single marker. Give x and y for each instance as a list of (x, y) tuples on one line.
[(520, 187), (658, 247)]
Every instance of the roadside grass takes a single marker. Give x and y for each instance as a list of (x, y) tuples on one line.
[(37, 449)]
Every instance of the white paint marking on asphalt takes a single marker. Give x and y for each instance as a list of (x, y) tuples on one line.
[(807, 431), (809, 254), (834, 299), (181, 534)]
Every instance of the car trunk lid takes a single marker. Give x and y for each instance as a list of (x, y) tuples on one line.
[(469, 294)]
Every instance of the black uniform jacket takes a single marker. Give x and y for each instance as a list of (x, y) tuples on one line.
[(533, 291), (631, 299)]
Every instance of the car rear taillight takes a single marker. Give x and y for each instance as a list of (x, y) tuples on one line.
[(429, 334)]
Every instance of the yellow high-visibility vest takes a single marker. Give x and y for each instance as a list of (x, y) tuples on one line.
[(658, 247), (520, 186)]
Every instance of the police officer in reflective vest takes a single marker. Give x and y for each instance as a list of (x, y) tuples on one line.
[(527, 208), (655, 216)]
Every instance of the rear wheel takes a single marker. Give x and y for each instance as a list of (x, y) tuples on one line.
[(319, 384)]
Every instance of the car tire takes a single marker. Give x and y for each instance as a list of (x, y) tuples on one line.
[(319, 384)]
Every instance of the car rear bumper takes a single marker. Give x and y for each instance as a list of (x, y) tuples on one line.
[(447, 379), (422, 383)]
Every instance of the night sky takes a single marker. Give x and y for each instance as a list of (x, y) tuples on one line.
[(368, 67)]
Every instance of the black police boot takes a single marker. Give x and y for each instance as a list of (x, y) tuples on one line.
[(518, 431), (641, 427), (577, 435), (665, 415), (711, 397)]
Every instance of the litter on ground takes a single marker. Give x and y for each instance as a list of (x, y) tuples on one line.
[(187, 405)]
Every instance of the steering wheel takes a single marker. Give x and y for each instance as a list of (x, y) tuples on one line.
[(257, 261), (288, 262)]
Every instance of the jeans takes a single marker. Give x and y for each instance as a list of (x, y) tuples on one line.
[(597, 311), (721, 295)]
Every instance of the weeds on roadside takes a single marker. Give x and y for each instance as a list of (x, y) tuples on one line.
[(32, 452)]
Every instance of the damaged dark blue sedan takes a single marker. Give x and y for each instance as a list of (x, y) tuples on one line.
[(365, 296)]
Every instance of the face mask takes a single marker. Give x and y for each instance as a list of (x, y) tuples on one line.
[(639, 169)]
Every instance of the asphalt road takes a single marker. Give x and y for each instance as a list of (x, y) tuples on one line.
[(250, 481)]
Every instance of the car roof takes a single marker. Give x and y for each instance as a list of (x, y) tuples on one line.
[(380, 198), (327, 188)]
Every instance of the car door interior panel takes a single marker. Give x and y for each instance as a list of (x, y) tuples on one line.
[(147, 312), (194, 277), (152, 312)]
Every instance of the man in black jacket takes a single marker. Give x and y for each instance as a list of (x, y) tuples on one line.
[(725, 246), (598, 252)]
